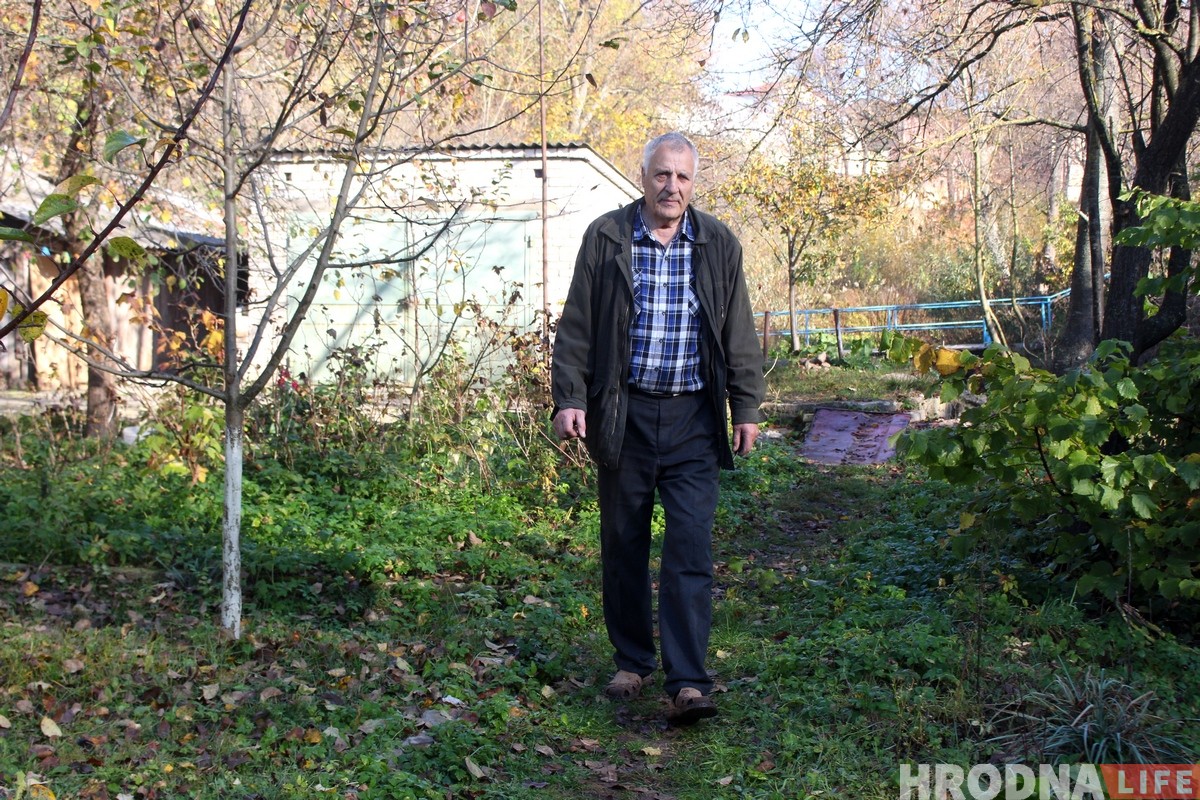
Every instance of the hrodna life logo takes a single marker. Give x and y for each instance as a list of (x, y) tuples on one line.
[(1050, 782)]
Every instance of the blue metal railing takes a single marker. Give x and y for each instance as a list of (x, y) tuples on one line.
[(892, 317)]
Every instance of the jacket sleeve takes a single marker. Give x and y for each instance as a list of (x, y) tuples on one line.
[(744, 377), (571, 367)]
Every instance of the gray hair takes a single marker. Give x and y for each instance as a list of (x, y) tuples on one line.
[(675, 141)]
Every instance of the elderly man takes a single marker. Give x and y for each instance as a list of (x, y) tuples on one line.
[(655, 343)]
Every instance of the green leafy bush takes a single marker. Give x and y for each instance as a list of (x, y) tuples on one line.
[(1096, 470), (1093, 474)]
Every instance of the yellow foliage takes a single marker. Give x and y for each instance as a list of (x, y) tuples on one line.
[(33, 327), (923, 359), (948, 361)]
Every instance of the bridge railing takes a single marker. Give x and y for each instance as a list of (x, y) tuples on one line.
[(955, 315)]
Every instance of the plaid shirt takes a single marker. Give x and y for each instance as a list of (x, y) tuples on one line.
[(665, 332)]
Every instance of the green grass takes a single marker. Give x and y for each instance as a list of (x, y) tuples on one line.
[(410, 638), (788, 382)]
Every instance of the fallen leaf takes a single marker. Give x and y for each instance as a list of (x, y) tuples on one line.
[(548, 692), (604, 771), (370, 726), (210, 691), (41, 751), (544, 749), (652, 751), (24, 706), (73, 665), (312, 736), (269, 693), (434, 717), (4, 723), (41, 791), (728, 779), (29, 588), (476, 771), (419, 740), (50, 728)]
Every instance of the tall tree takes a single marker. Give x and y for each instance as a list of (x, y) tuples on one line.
[(613, 74), (73, 69), (1144, 136), (1162, 119)]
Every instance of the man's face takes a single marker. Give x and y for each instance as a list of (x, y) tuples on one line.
[(667, 185)]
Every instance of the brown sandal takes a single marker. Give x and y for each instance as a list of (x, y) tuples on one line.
[(624, 685), (690, 706)]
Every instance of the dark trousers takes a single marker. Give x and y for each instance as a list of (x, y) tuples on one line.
[(672, 445)]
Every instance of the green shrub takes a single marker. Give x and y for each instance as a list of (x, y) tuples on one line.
[(1095, 471)]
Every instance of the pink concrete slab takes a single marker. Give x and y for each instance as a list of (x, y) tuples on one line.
[(842, 436)]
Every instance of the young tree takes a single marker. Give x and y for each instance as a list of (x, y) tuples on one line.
[(804, 206), (369, 85)]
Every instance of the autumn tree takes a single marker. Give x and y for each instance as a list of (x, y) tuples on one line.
[(612, 74), (805, 205), (365, 83), (1138, 108), (73, 70)]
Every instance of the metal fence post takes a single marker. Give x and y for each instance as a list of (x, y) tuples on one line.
[(766, 333)]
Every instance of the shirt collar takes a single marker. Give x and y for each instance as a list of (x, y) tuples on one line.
[(641, 231)]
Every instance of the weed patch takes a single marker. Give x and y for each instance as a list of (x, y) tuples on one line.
[(414, 637)]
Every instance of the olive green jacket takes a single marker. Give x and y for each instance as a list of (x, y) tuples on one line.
[(591, 345)]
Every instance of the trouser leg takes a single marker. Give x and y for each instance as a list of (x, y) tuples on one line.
[(688, 480), (626, 496)]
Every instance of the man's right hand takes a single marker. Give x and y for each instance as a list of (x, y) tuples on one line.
[(569, 423)]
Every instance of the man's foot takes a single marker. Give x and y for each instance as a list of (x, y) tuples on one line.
[(624, 685), (690, 706)]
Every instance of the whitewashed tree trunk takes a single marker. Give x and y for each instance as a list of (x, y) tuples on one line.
[(231, 547), (231, 531)]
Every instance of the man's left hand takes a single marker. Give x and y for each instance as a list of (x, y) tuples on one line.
[(743, 437)]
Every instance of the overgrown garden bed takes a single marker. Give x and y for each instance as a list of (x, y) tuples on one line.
[(423, 621)]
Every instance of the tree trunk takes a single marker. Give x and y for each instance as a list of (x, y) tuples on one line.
[(792, 309), (93, 284), (98, 317), (1160, 168), (991, 324), (231, 552), (231, 533), (1081, 332), (1049, 255)]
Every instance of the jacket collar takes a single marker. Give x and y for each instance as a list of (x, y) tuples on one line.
[(624, 219)]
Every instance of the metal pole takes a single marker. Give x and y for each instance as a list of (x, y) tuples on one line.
[(837, 329), (545, 187)]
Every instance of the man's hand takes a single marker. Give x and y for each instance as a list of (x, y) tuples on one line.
[(744, 435), (569, 423)]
